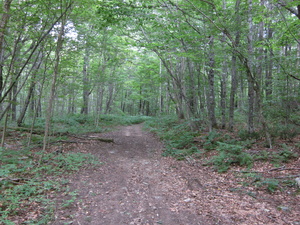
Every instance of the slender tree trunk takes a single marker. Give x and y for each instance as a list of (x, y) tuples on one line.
[(100, 92), (140, 101), (123, 101), (191, 89), (234, 69), (201, 91), (86, 91), (251, 94), (211, 85), (14, 102), (4, 130), (161, 92), (109, 98), (29, 97), (269, 69), (259, 59), (223, 94), (54, 79), (3, 25), (26, 104), (224, 83), (232, 93)]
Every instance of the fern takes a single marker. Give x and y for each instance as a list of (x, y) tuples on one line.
[(230, 154)]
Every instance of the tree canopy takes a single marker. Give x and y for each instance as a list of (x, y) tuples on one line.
[(204, 60)]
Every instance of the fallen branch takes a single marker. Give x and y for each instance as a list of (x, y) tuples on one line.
[(109, 140), (289, 176), (282, 168), (65, 141), (278, 168), (13, 180), (243, 171)]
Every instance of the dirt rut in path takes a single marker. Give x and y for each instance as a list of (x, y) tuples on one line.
[(133, 186)]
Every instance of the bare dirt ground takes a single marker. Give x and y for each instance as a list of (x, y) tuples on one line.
[(136, 185)]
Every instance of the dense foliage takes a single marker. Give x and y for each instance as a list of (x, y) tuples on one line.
[(69, 66), (221, 62)]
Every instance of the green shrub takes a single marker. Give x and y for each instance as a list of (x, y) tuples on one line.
[(211, 140), (288, 132), (262, 155), (178, 136), (283, 156), (276, 158), (270, 184), (246, 135), (180, 154), (109, 120), (230, 154)]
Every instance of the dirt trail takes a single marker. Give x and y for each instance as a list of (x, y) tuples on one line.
[(135, 185)]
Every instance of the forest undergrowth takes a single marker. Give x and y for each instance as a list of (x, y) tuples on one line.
[(30, 178), (241, 151)]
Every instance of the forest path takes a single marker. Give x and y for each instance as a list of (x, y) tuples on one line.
[(132, 186), (135, 185)]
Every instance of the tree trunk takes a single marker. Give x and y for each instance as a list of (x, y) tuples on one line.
[(234, 69), (85, 80), (191, 89), (109, 98), (54, 79), (211, 85), (100, 94), (14, 102), (201, 92), (30, 91), (3, 24), (250, 79), (269, 69), (223, 95)]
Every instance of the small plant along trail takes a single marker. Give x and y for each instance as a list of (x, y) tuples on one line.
[(135, 185)]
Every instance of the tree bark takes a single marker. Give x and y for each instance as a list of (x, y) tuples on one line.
[(223, 94), (250, 79), (3, 25), (211, 85), (54, 79), (234, 69), (110, 97), (269, 69), (85, 80), (30, 91)]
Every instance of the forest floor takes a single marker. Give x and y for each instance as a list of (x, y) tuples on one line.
[(136, 185)]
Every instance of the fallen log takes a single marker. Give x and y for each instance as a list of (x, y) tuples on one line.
[(108, 140)]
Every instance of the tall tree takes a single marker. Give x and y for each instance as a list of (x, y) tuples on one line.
[(60, 37)]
